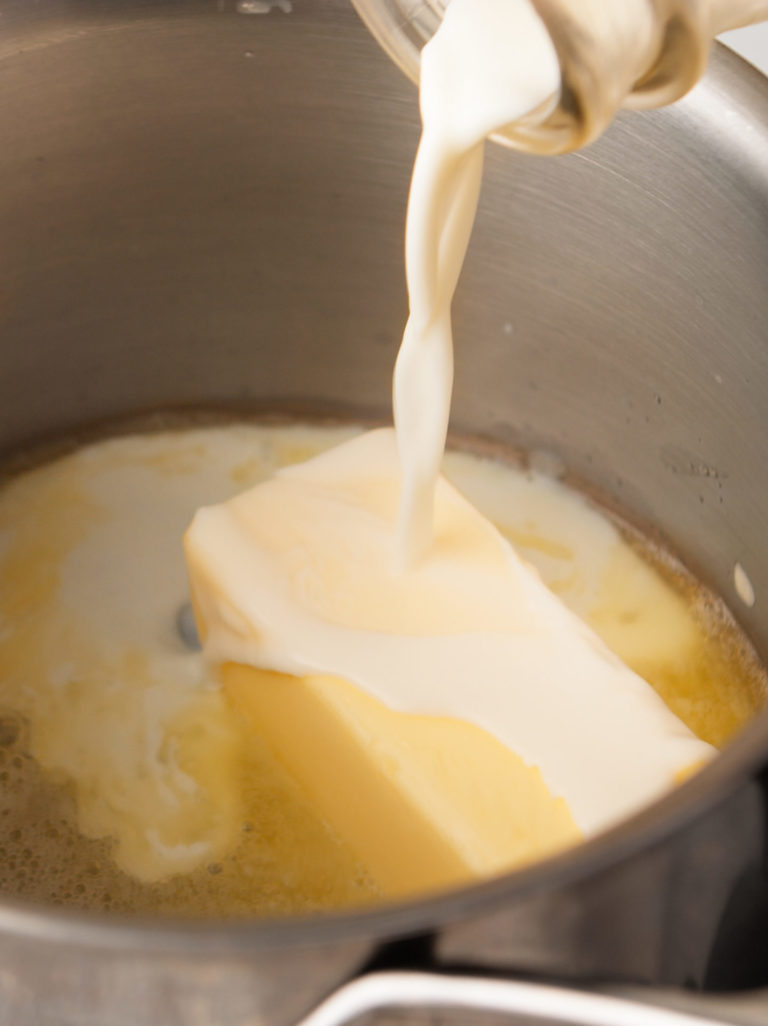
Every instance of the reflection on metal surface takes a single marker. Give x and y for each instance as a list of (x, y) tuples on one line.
[(538, 1003), (263, 6), (743, 585)]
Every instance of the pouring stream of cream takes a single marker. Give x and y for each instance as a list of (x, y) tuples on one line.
[(491, 63)]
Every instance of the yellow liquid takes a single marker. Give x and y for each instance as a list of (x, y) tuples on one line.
[(104, 742)]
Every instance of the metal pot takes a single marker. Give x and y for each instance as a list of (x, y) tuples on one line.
[(202, 205)]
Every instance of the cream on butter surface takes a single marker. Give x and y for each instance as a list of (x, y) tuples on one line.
[(294, 576)]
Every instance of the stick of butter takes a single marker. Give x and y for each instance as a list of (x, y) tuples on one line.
[(423, 801), (448, 722)]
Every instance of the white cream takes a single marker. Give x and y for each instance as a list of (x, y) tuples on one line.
[(491, 63)]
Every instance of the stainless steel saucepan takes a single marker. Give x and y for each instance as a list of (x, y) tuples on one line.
[(201, 205)]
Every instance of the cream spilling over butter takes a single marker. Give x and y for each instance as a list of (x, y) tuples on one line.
[(295, 576), (363, 569)]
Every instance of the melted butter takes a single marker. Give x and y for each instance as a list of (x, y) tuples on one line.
[(160, 772), (124, 819), (675, 637)]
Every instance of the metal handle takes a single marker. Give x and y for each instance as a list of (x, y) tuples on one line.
[(538, 1002)]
